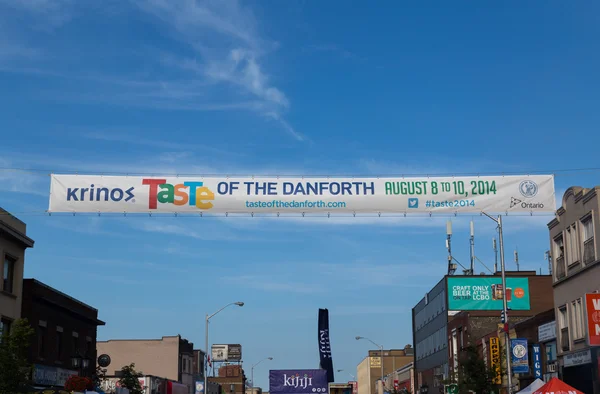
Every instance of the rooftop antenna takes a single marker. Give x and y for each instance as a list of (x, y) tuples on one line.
[(517, 259), (451, 265), (495, 254), (548, 257), (472, 241)]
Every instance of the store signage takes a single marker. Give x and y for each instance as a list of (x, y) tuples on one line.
[(299, 195), (577, 358), (230, 352), (375, 362), (547, 332), (537, 361), (592, 306), (354, 387), (300, 381), (495, 359), (473, 293), (519, 355), (51, 376)]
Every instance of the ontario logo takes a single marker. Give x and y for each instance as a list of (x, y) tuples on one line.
[(192, 193)]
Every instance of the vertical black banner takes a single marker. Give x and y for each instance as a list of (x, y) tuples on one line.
[(325, 344)]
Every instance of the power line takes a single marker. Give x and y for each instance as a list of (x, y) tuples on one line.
[(556, 172)]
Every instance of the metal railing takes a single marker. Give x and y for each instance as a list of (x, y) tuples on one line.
[(560, 268), (565, 343), (589, 253)]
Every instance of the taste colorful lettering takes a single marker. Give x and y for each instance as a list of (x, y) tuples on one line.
[(192, 193)]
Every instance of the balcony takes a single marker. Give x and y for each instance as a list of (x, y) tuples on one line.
[(589, 254), (564, 339), (560, 268)]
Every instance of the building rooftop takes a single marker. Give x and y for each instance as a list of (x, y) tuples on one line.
[(14, 228)]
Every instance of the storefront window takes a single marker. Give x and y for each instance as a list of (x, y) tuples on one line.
[(551, 351)]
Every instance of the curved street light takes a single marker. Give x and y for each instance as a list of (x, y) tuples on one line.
[(252, 370), (358, 338), (208, 317)]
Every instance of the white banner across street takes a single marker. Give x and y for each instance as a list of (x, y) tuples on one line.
[(256, 195)]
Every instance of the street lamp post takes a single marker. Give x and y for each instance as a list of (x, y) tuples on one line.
[(252, 371), (505, 303), (381, 357), (208, 317), (349, 374)]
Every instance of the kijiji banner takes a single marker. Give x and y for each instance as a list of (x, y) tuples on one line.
[(136, 194), (325, 344), (475, 293), (519, 355), (298, 381)]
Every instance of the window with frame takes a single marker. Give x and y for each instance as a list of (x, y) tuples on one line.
[(559, 258), (577, 319), (587, 228), (4, 328), (8, 274), (572, 247), (41, 334), (587, 234), (562, 317), (563, 321), (88, 348), (59, 344), (75, 345)]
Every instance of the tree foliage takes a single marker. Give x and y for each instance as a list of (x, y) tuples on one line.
[(473, 374), (99, 377), (130, 379), (15, 370)]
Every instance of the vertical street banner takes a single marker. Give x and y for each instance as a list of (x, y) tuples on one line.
[(537, 361), (298, 381), (495, 359), (519, 355), (325, 344), (592, 308)]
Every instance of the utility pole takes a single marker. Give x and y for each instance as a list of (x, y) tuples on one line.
[(495, 255), (472, 241), (505, 303)]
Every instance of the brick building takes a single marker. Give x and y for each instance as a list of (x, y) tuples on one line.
[(65, 334), (440, 330), (231, 379), (368, 371), (576, 271), (13, 243), (169, 357)]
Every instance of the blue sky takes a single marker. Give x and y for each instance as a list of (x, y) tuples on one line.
[(294, 87)]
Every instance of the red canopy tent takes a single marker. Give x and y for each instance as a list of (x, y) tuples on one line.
[(556, 386)]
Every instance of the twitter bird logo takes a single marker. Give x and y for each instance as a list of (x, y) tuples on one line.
[(413, 203)]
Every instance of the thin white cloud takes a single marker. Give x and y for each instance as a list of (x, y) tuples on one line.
[(46, 14), (271, 283), (227, 48), (163, 226)]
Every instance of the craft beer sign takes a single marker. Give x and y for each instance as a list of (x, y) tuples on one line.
[(275, 195), (487, 293)]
